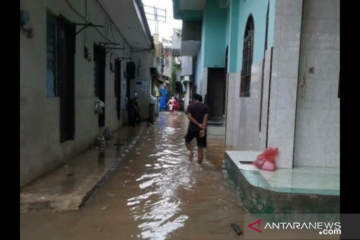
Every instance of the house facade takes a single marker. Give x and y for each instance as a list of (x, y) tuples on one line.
[(74, 57), (270, 70)]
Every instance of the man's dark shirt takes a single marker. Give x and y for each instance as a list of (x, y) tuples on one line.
[(197, 111)]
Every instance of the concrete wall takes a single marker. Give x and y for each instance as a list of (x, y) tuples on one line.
[(187, 96), (186, 66), (265, 100), (257, 8), (203, 85), (317, 140), (200, 61), (143, 62), (243, 114), (198, 69), (233, 43), (239, 12), (227, 32), (272, 9), (249, 109), (284, 78), (232, 111), (214, 40), (303, 108), (191, 30), (243, 120), (40, 145)]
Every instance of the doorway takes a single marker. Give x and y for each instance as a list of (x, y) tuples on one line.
[(100, 63), (226, 77), (216, 93), (117, 86), (226, 95), (66, 73)]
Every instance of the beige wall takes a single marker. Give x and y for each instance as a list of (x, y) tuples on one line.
[(243, 113), (143, 62), (39, 115), (317, 141)]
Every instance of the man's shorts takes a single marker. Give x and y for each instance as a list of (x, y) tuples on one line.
[(200, 142)]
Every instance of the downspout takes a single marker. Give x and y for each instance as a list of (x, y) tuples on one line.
[(297, 88)]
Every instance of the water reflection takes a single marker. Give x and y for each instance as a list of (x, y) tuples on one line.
[(158, 194)]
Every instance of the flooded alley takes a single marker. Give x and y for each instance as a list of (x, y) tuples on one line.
[(155, 193)]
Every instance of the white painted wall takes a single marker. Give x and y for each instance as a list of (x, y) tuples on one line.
[(40, 146), (249, 108), (202, 89), (186, 66), (187, 96), (143, 60), (284, 79), (243, 113), (232, 111), (317, 134), (265, 101)]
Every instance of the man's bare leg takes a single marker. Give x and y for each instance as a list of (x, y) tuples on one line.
[(200, 154), (191, 150)]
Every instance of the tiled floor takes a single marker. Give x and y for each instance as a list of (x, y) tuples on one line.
[(306, 180)]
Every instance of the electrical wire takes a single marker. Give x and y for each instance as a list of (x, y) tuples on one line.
[(106, 32), (83, 18), (101, 6), (108, 15)]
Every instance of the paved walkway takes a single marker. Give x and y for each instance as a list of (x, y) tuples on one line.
[(69, 186)]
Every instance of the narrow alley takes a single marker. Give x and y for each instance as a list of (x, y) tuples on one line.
[(155, 193), (104, 87)]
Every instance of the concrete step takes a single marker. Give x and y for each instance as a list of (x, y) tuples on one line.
[(216, 132), (70, 186)]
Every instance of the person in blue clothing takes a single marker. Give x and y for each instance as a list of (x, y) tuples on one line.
[(163, 99)]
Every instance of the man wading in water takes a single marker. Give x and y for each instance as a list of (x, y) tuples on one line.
[(198, 114)]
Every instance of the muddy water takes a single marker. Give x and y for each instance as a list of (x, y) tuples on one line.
[(156, 193)]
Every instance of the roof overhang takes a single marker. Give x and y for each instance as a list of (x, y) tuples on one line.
[(130, 19), (191, 10), (190, 48)]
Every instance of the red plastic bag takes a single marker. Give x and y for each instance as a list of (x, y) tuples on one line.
[(266, 160)]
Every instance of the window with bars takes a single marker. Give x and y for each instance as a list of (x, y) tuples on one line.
[(248, 49), (51, 56)]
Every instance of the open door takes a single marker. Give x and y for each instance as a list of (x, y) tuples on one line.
[(66, 73), (100, 61), (216, 93), (117, 86)]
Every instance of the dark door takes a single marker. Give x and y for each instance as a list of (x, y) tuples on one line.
[(216, 93), (100, 61), (66, 62), (117, 86), (226, 73), (225, 76)]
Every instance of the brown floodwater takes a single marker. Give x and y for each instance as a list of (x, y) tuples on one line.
[(155, 193)]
